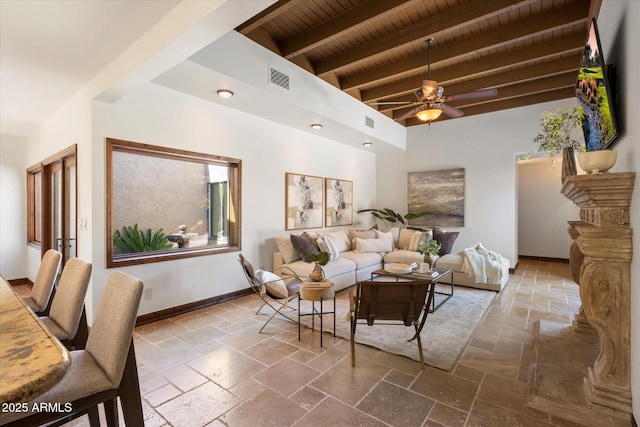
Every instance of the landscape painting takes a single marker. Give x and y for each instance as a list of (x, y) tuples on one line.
[(303, 201), (439, 192)]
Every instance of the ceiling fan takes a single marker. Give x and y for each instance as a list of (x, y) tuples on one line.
[(432, 98)]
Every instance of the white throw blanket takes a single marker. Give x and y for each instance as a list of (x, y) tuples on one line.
[(484, 265)]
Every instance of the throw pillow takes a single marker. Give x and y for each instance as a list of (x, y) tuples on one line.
[(362, 234), (446, 239), (286, 249), (386, 235), (406, 236), (395, 231), (341, 239), (327, 244), (373, 245), (305, 245), (273, 283)]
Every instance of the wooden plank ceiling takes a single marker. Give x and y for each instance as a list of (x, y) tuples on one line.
[(376, 50)]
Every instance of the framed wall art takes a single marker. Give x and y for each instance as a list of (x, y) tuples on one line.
[(303, 201), (439, 192), (338, 202)]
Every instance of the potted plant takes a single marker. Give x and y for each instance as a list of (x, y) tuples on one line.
[(430, 251), (321, 258), (556, 138)]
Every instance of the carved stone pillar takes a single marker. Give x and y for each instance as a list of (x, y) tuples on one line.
[(602, 252)]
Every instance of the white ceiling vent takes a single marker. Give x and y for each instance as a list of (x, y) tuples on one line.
[(368, 121), (278, 78)]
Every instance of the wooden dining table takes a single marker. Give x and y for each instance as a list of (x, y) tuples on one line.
[(32, 360)]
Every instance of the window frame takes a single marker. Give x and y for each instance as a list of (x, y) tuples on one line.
[(235, 200), (34, 218)]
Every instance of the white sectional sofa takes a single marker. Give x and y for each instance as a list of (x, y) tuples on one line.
[(358, 253)]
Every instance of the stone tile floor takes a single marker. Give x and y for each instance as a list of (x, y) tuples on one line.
[(211, 367)]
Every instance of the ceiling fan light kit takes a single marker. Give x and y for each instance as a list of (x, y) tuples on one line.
[(429, 114), (432, 98)]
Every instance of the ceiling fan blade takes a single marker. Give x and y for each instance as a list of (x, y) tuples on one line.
[(451, 111), (474, 94), (409, 113)]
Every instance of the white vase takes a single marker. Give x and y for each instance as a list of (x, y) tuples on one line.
[(594, 162)]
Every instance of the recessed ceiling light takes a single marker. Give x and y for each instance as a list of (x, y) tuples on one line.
[(316, 126), (367, 144), (225, 93)]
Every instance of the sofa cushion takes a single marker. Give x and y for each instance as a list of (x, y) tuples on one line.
[(373, 245), (327, 244), (446, 239), (305, 245), (332, 269), (341, 239), (362, 259), (361, 234), (286, 249), (452, 261), (395, 232)]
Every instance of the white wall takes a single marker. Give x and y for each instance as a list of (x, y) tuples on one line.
[(160, 116), (485, 146), (13, 205), (542, 210)]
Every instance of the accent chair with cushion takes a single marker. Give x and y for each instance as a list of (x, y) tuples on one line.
[(101, 373), (42, 289), (274, 291)]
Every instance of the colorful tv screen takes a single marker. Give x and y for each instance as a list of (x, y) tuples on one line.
[(594, 94)]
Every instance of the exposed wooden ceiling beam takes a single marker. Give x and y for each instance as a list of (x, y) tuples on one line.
[(536, 52), (566, 65), (336, 27), (445, 21), (557, 18)]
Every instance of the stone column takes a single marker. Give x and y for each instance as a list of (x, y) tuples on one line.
[(601, 253)]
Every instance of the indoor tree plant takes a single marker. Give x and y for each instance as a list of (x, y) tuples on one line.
[(392, 218), (556, 137)]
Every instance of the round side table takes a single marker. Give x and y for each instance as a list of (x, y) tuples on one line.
[(317, 291)]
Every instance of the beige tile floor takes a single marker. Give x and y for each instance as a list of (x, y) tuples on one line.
[(211, 367)]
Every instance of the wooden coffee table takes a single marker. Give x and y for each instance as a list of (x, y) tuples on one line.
[(441, 273)]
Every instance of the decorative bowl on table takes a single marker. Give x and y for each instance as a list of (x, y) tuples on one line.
[(398, 268)]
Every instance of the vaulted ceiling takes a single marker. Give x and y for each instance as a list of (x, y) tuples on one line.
[(376, 50)]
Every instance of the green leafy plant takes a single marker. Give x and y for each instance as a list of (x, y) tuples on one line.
[(321, 258), (131, 240), (556, 133), (393, 219), (431, 248)]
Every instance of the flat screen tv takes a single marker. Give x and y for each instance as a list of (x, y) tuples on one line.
[(595, 94)]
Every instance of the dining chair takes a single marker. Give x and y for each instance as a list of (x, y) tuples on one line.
[(43, 286), (103, 372), (274, 291), (402, 303), (67, 318)]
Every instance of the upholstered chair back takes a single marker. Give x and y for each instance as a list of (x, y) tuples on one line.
[(68, 302), (46, 279), (112, 328)]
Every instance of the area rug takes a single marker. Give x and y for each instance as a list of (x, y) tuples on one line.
[(444, 336)]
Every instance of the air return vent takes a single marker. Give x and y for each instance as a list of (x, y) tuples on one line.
[(368, 121), (278, 78)]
